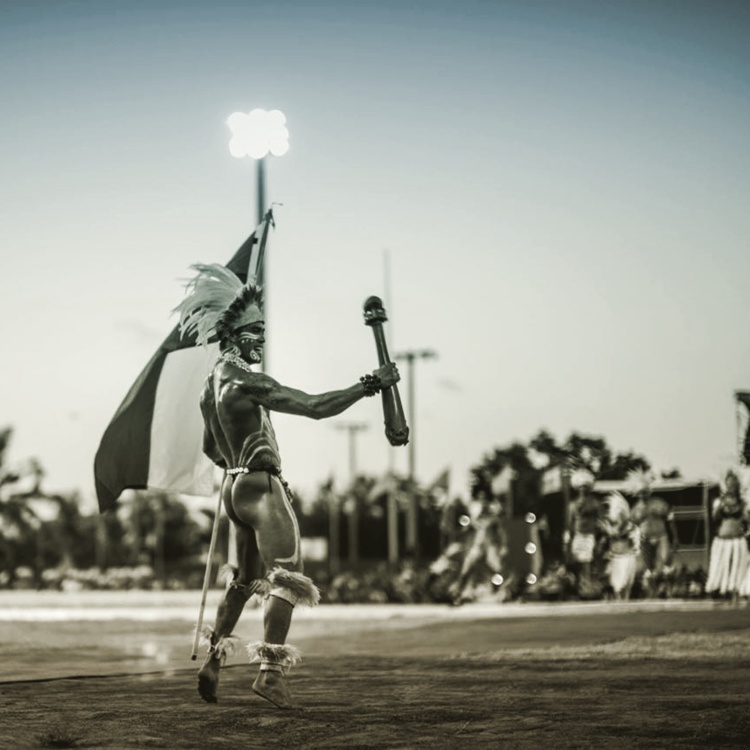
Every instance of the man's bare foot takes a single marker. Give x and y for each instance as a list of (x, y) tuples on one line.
[(273, 687), (208, 679)]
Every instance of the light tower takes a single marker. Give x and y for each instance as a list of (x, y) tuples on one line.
[(257, 134)]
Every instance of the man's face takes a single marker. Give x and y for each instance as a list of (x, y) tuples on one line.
[(252, 335)]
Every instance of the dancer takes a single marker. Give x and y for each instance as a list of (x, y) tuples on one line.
[(658, 533), (729, 561), (581, 538), (622, 545), (239, 438), (487, 552)]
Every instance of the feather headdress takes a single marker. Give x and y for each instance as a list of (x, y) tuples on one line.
[(639, 480), (216, 303), (617, 507), (743, 479)]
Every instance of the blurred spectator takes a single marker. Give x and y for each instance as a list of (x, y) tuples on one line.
[(486, 552), (658, 533), (730, 558), (622, 542), (581, 540)]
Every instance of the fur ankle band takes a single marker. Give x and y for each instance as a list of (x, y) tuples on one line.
[(272, 657)]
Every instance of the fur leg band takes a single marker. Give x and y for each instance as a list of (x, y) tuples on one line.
[(273, 657), (220, 648), (229, 574), (295, 588)]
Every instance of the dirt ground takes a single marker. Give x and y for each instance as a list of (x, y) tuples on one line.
[(605, 679)]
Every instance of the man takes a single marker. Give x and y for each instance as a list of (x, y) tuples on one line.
[(583, 520), (239, 438), (487, 551), (622, 542), (658, 532)]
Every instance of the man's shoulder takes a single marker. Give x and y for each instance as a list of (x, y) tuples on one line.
[(232, 367), (229, 378)]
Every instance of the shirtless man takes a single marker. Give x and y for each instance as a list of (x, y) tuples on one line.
[(239, 438), (658, 532), (487, 551), (581, 539)]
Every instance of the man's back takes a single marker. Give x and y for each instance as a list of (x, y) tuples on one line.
[(237, 429)]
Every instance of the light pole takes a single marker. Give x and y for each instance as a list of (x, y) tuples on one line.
[(256, 134), (412, 518), (353, 428)]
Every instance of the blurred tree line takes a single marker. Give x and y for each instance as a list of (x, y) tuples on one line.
[(528, 462), (46, 540)]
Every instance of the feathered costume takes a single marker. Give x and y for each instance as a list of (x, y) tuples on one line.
[(217, 304), (623, 545), (583, 521), (729, 566), (654, 518)]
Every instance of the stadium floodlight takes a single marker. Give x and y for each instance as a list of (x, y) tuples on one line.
[(258, 133)]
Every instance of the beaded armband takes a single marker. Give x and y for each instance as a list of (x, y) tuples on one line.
[(372, 384)]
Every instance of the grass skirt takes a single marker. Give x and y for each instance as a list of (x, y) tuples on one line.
[(728, 567), (621, 571)]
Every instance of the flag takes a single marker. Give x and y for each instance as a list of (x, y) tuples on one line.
[(743, 397), (155, 438)]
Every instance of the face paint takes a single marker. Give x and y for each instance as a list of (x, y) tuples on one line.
[(251, 341)]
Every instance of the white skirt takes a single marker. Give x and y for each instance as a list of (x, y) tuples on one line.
[(622, 570), (728, 567)]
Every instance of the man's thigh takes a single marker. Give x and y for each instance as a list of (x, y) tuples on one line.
[(265, 507)]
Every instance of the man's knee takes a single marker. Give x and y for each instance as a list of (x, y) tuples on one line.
[(242, 585), (293, 587)]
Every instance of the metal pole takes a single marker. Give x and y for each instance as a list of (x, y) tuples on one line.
[(334, 560), (353, 514), (706, 527), (412, 518), (261, 175), (261, 196), (412, 439), (352, 429), (391, 504)]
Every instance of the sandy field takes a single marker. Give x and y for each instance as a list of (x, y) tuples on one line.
[(114, 671)]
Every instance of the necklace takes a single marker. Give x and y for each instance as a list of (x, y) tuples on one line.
[(233, 359)]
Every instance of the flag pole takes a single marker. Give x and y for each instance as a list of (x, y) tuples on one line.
[(255, 269), (206, 579)]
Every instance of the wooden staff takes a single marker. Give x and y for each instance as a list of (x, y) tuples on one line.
[(206, 579)]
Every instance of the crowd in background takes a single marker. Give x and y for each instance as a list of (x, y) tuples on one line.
[(617, 546)]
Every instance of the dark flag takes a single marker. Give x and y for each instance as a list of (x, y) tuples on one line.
[(155, 437), (743, 397)]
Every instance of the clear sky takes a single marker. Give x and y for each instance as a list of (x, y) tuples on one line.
[(560, 188)]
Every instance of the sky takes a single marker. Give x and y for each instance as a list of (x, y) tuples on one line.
[(551, 196)]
